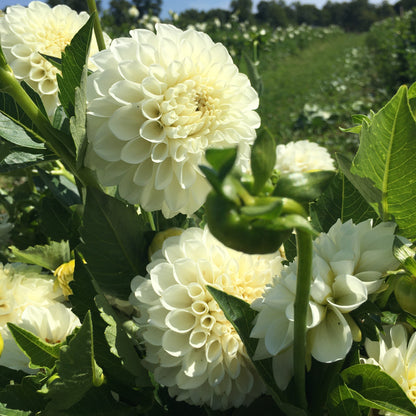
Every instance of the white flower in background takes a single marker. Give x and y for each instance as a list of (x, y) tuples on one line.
[(21, 286), (52, 323), (190, 346), (5, 228), (133, 11), (155, 104), (27, 31), (395, 355), (349, 263), (302, 156)]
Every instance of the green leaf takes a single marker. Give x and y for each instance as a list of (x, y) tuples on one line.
[(241, 316), (24, 395), (115, 245), (47, 256), (303, 187), (41, 353), (373, 388), (222, 160), (4, 411), (119, 376), (263, 159), (78, 121), (120, 343), (73, 60), (341, 401), (386, 157), (341, 200), (20, 159), (76, 368), (14, 132), (364, 186)]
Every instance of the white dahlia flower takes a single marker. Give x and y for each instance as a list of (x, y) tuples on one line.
[(27, 31), (190, 346), (52, 323), (349, 263), (21, 286), (396, 356), (155, 104), (302, 156)]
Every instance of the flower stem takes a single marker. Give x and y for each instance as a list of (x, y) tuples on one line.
[(304, 276), (92, 7)]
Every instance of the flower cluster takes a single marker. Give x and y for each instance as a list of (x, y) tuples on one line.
[(190, 346), (28, 32), (30, 300), (155, 104), (349, 263)]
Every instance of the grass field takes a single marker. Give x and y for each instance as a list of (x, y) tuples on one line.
[(311, 94)]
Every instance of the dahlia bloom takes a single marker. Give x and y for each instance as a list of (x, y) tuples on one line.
[(190, 346), (52, 323), (155, 104), (21, 286), (395, 355), (31, 300), (25, 32), (349, 263), (302, 156)]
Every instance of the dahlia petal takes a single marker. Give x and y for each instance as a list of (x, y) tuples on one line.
[(185, 270), (198, 338), (348, 293), (135, 151), (166, 376), (180, 321), (153, 131), (176, 297), (125, 123), (103, 107), (199, 307), (126, 92), (282, 365), (21, 51), (332, 339), (185, 382), (144, 173), (150, 109), (21, 68), (154, 335), (194, 364), (213, 349), (157, 316), (216, 374), (162, 277), (175, 343), (159, 154), (133, 71)]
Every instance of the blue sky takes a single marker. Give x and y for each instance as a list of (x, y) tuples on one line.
[(181, 5)]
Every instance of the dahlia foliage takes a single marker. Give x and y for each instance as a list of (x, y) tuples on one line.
[(160, 253)]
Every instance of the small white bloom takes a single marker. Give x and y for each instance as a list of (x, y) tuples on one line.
[(190, 346), (25, 32), (349, 263), (133, 11), (52, 323), (302, 156), (155, 104), (396, 356)]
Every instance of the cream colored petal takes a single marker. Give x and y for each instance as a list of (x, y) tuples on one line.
[(135, 151), (332, 339), (348, 293), (125, 123)]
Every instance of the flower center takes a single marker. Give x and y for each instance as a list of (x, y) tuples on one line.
[(53, 42), (188, 110)]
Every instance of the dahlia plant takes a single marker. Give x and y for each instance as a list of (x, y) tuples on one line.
[(162, 253)]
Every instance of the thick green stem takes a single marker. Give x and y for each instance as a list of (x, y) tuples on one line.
[(92, 7), (304, 276)]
